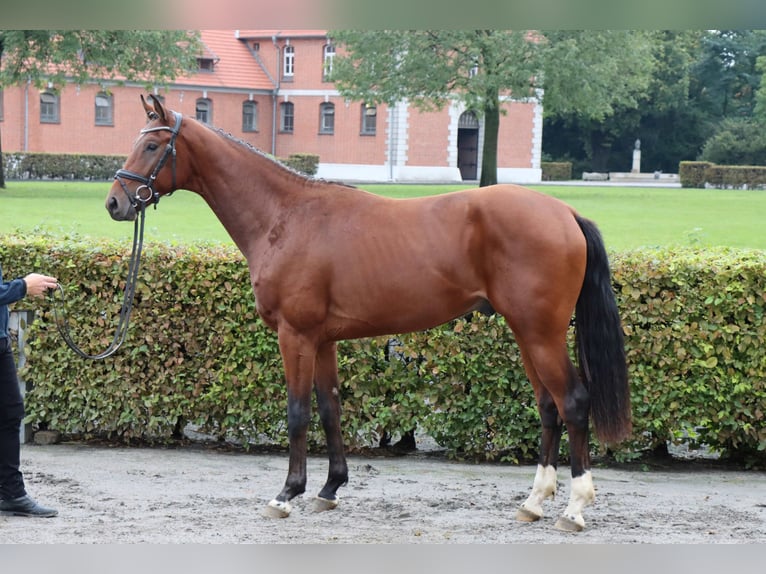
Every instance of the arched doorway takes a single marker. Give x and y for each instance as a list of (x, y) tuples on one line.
[(468, 145)]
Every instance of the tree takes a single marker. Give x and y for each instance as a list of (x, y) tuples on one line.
[(725, 76), (80, 56), (737, 141), (595, 83), (586, 75), (728, 90), (430, 68)]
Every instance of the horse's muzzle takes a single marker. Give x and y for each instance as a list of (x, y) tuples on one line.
[(124, 212)]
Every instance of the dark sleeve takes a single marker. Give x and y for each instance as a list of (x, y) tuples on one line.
[(12, 291)]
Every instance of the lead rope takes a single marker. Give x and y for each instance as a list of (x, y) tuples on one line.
[(61, 319)]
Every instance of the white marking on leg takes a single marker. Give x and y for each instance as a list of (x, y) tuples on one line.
[(324, 504), (582, 495), (543, 486), (278, 509)]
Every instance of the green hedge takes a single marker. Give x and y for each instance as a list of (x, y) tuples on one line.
[(306, 163), (556, 170), (28, 165), (196, 353), (700, 173), (692, 173), (736, 176), (23, 165)]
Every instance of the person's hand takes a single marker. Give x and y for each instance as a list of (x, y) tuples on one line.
[(38, 284)]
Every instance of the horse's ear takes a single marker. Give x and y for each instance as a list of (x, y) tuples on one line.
[(156, 112)]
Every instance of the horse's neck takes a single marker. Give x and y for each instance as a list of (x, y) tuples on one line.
[(246, 191)]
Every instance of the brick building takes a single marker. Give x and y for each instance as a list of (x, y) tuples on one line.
[(270, 88)]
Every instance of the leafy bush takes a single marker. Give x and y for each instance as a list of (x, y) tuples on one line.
[(702, 173), (28, 165), (306, 163), (556, 170), (736, 142), (695, 336), (693, 173), (736, 176)]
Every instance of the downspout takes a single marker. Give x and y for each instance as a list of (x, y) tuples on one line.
[(26, 116), (391, 136), (274, 96)]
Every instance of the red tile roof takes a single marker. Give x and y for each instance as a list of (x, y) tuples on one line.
[(235, 65), (260, 34)]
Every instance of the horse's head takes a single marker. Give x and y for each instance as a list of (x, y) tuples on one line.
[(150, 170)]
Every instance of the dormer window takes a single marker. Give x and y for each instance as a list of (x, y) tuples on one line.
[(206, 64)]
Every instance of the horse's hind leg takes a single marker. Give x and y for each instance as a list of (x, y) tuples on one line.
[(577, 409), (563, 396), (328, 402), (544, 484)]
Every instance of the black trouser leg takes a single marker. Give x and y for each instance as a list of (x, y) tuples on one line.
[(11, 415)]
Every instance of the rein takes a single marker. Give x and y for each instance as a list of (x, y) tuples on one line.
[(61, 319), (139, 203)]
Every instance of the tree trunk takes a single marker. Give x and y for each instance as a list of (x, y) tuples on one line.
[(489, 153), (2, 165), (2, 168), (600, 150)]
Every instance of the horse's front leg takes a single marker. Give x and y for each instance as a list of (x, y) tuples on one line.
[(299, 357), (328, 402)]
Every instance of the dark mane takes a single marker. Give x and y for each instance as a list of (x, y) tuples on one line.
[(294, 172)]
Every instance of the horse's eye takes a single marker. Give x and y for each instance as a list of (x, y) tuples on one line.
[(151, 146)]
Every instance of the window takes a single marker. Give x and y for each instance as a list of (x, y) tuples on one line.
[(104, 109), (369, 119), (204, 110), (286, 117), (205, 64), (249, 116), (288, 69), (327, 118), (329, 55), (49, 108)]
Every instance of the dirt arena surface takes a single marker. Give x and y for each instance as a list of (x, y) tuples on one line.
[(200, 495)]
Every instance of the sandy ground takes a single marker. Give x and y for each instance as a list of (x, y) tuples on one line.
[(200, 495)]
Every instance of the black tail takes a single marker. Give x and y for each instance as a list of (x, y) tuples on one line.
[(600, 343)]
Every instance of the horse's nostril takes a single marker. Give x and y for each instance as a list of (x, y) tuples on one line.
[(112, 204)]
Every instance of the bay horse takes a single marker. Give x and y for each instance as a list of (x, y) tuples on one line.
[(330, 262)]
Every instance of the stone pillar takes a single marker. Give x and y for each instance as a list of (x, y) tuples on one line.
[(17, 325), (636, 161), (636, 157)]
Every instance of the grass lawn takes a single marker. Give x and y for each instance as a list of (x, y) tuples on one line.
[(629, 217)]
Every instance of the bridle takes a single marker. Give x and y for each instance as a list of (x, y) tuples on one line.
[(147, 183), (139, 203)]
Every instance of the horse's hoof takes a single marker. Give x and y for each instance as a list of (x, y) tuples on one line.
[(277, 509), (323, 504), (526, 515), (570, 524)]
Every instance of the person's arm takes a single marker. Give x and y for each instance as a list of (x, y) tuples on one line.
[(33, 284), (12, 291)]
